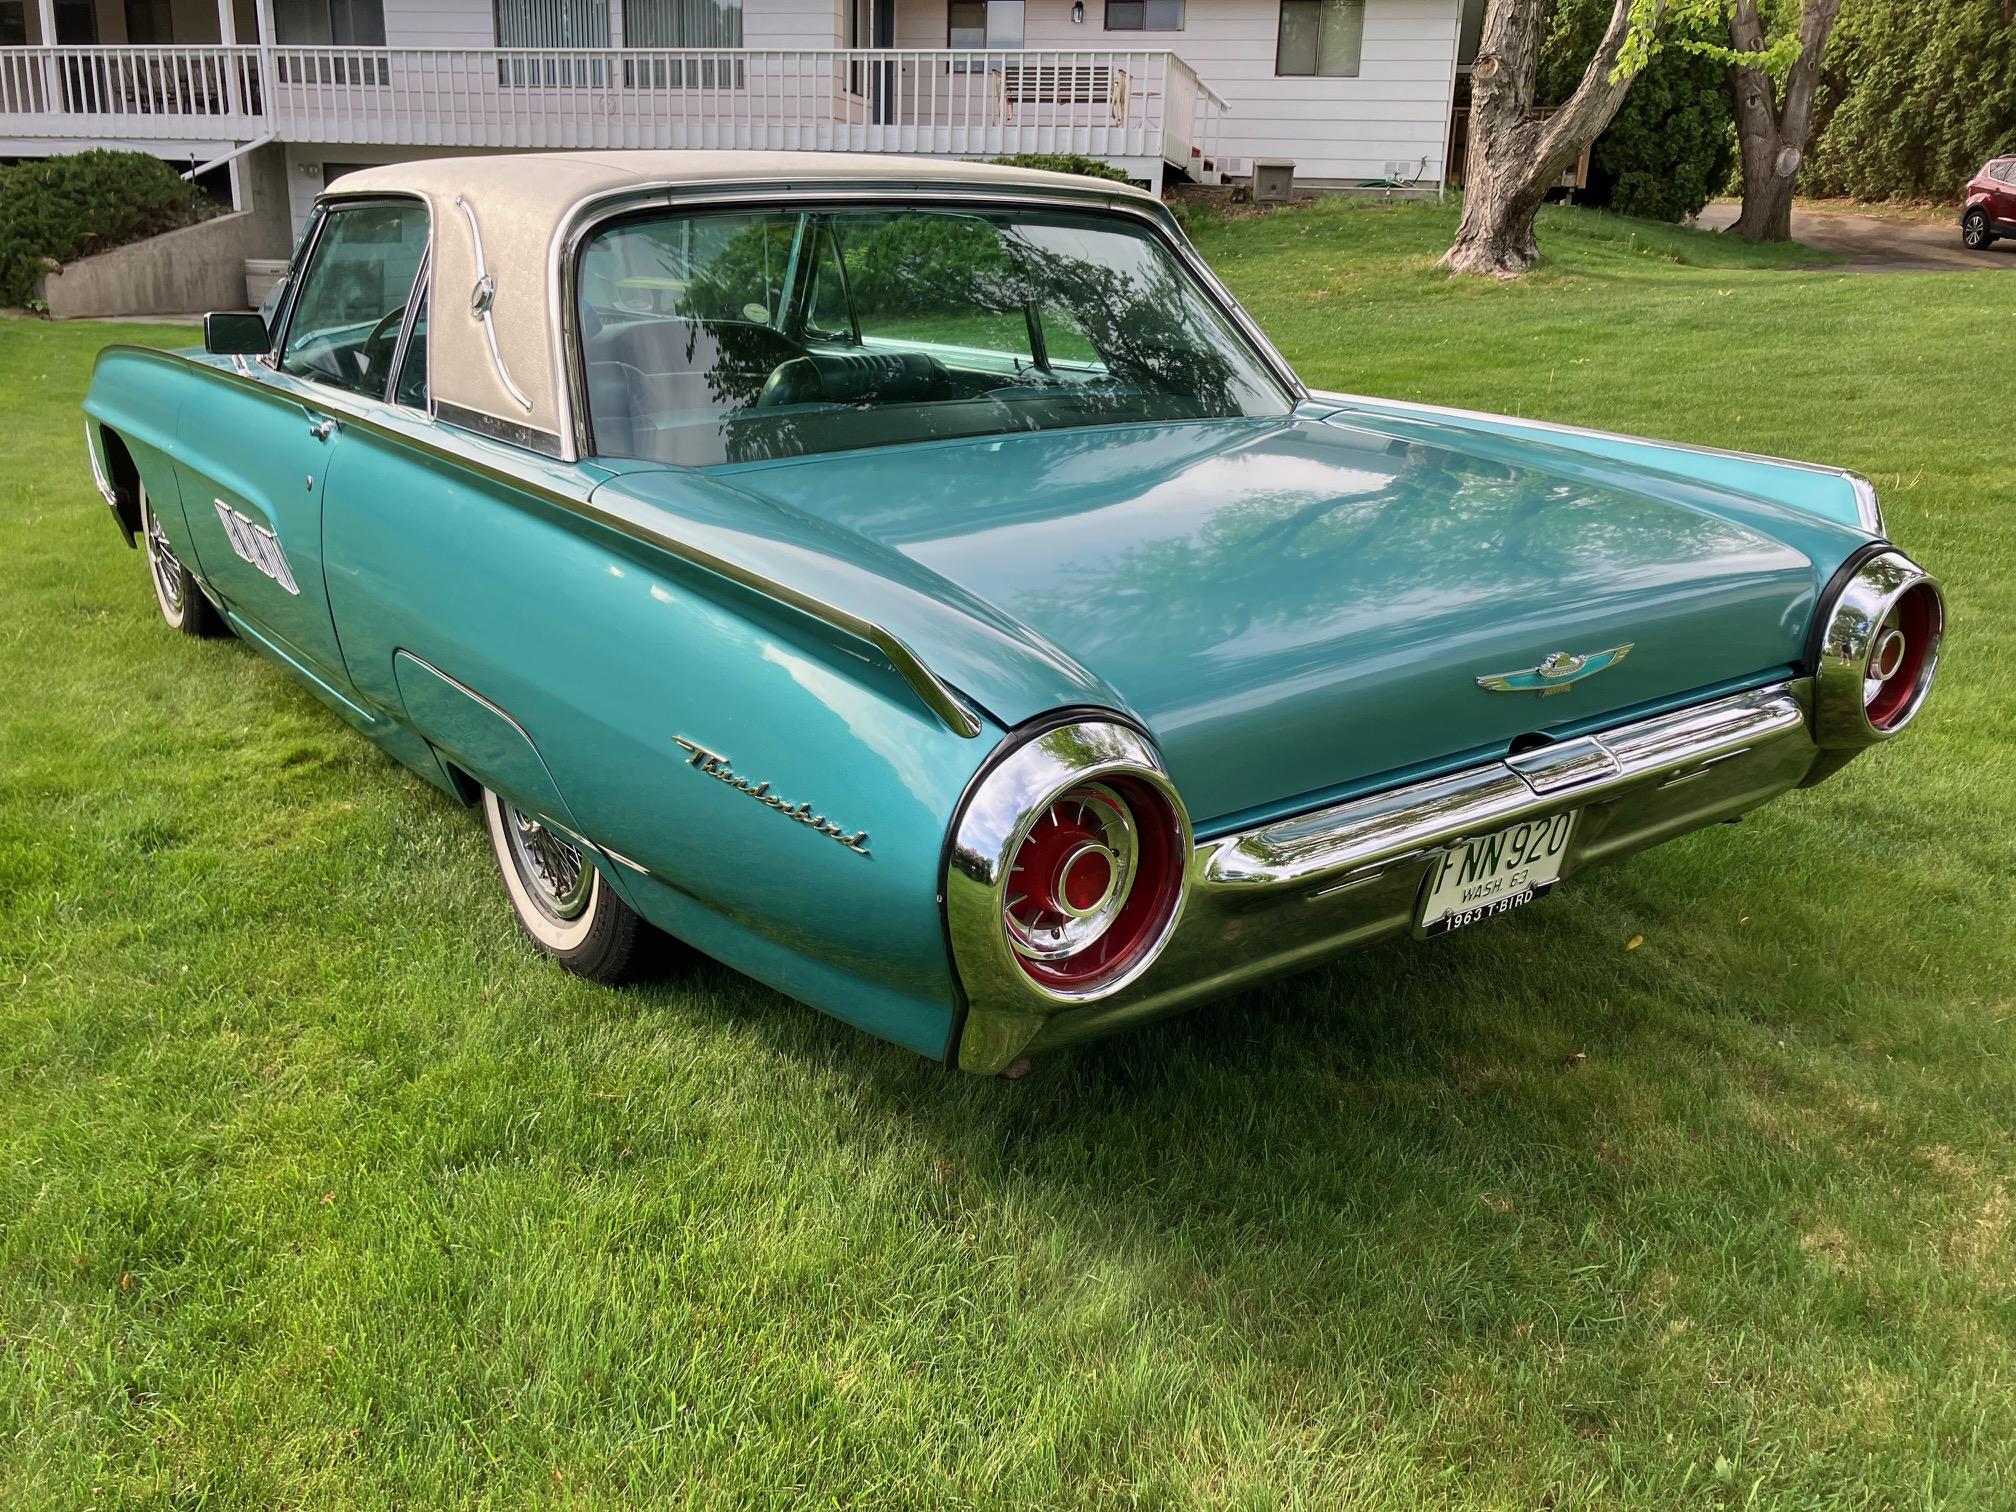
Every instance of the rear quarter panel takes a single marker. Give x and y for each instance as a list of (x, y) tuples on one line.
[(608, 651), (1826, 493)]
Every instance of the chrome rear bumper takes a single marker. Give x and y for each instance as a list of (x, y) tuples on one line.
[(1288, 894)]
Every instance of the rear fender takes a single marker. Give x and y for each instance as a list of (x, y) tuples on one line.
[(1828, 493)]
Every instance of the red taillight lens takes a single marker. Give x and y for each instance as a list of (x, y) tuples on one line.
[(1899, 657), (1093, 882)]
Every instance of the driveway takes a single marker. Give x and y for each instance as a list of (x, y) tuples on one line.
[(1872, 245)]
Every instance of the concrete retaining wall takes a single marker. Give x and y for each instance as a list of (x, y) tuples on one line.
[(197, 268)]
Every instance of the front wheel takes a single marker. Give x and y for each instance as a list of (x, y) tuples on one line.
[(182, 603), (1975, 231), (561, 900)]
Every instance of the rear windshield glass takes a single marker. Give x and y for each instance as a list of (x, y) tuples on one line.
[(731, 337)]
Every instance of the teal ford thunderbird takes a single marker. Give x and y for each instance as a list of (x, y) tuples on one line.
[(919, 586)]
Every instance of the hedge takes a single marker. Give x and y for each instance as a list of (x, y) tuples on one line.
[(64, 208)]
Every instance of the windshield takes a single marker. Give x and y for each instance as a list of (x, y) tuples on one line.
[(733, 337)]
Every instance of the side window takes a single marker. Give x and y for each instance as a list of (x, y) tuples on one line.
[(345, 324), (412, 388)]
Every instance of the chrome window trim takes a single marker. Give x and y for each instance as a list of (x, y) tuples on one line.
[(938, 697), (283, 315), (1867, 508), (414, 296), (590, 214)]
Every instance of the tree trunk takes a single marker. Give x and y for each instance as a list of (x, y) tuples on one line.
[(1772, 134), (1515, 159)]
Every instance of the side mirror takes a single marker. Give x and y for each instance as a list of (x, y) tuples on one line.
[(232, 333)]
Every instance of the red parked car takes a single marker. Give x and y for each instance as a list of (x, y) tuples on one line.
[(1991, 204)]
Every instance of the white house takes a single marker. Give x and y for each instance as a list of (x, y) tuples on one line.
[(1348, 89)]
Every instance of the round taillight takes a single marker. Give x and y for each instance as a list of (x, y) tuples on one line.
[(1092, 882), (1878, 650), (1900, 655), (1065, 876)]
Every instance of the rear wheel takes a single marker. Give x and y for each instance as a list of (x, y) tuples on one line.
[(1975, 230), (182, 603), (561, 900)]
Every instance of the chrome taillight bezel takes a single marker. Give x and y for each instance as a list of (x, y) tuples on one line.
[(1010, 797), (1852, 634)]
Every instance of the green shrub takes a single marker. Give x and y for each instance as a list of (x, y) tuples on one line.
[(1914, 97), (72, 206), (1063, 162), (1672, 146)]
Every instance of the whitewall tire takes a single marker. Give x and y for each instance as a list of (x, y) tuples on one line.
[(565, 904), (182, 603)]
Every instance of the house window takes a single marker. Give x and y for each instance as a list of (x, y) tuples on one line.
[(13, 23), (1144, 15), (681, 24), (330, 23), (148, 23), (327, 23), (1324, 38), (985, 23), (552, 23)]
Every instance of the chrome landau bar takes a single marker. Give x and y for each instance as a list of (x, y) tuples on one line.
[(1289, 894)]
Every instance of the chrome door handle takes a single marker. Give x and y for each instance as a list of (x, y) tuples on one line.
[(322, 429)]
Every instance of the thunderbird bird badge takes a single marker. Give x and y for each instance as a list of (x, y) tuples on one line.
[(1557, 673)]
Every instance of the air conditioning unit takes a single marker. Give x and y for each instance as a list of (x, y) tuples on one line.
[(1273, 181)]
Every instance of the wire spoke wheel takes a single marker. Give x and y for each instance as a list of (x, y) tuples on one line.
[(162, 562), (556, 877)]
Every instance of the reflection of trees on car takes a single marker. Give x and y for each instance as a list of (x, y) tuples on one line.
[(919, 324)]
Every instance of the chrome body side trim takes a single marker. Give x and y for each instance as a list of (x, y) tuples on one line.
[(938, 697), (101, 477), (1867, 505), (1297, 891)]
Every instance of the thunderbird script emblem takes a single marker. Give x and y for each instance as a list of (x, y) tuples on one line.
[(1557, 673)]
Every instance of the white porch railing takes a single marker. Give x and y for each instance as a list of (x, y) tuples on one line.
[(138, 93), (1146, 105)]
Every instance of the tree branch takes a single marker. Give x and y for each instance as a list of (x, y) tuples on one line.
[(1588, 110), (1816, 21)]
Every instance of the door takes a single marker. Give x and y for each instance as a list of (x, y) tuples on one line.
[(258, 455), (2002, 193)]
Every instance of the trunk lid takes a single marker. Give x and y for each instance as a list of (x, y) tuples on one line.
[(1292, 607)]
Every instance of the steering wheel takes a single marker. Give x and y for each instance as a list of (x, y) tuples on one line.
[(376, 361)]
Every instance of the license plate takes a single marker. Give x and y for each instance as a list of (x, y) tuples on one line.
[(1494, 874)]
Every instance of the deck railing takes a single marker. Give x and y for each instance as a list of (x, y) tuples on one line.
[(131, 93), (1139, 104)]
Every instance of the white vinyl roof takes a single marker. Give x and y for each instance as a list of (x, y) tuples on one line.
[(523, 205)]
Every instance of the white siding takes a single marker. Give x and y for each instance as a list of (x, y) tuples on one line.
[(792, 23), (440, 23), (1395, 111)]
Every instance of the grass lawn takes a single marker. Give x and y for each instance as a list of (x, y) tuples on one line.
[(1692, 1185)]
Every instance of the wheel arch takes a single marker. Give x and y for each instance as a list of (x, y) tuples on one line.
[(120, 476)]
